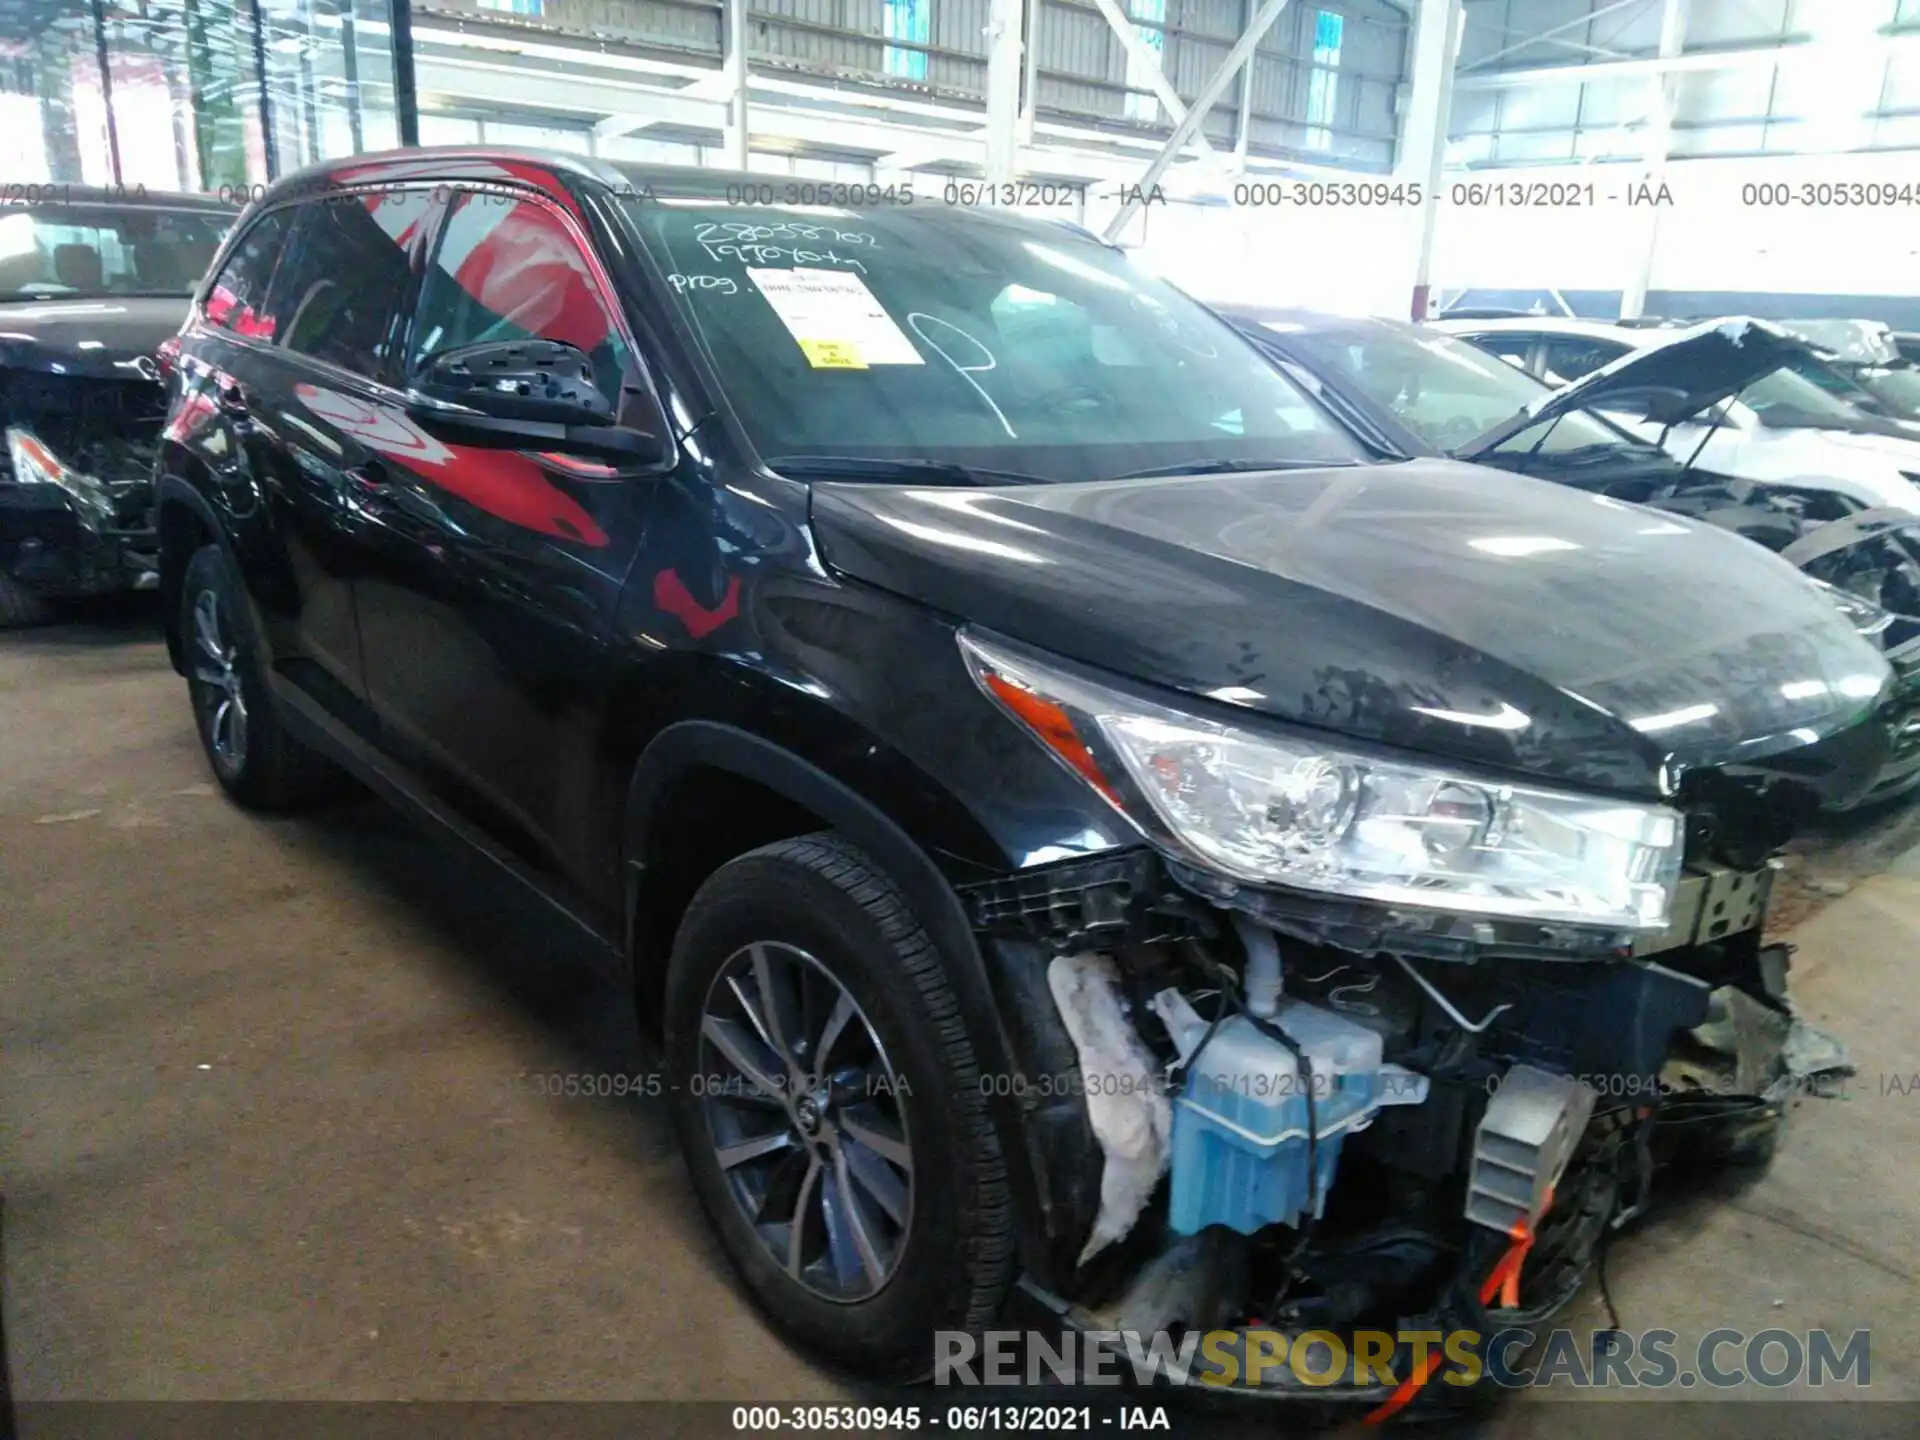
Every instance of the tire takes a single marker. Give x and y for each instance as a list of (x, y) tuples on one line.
[(829, 926), (19, 606), (253, 757)]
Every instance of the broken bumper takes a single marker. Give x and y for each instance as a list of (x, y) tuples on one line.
[(1475, 1202), (65, 532)]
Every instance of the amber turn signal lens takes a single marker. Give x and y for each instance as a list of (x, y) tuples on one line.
[(1055, 727)]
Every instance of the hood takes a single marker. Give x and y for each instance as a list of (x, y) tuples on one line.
[(105, 337), (1850, 342), (1669, 382), (1872, 469), (1427, 605)]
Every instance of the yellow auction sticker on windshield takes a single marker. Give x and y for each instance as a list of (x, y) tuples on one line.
[(837, 321), (832, 355)]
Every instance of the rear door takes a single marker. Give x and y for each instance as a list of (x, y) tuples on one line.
[(324, 427), (486, 621), (280, 469)]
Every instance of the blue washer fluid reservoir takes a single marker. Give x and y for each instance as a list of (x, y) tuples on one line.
[(1240, 1120)]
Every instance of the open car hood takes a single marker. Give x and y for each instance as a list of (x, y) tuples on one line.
[(1666, 384), (1851, 342)]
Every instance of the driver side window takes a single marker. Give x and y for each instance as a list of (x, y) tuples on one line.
[(338, 293), (507, 268)]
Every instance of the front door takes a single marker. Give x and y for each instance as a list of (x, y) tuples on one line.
[(485, 616)]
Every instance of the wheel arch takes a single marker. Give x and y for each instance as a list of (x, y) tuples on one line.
[(184, 521), (808, 796)]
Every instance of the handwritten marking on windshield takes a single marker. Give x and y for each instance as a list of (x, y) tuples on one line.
[(922, 323), (742, 230), (750, 244), (722, 283), (762, 254)]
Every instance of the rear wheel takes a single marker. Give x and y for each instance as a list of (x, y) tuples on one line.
[(253, 757), (831, 1108)]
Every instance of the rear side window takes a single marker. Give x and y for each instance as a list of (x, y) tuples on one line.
[(237, 300), (509, 269), (1570, 358), (1514, 349), (341, 289)]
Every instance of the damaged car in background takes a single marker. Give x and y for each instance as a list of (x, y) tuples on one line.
[(92, 285), (1412, 390), (1860, 362), (1089, 837), (1761, 420)]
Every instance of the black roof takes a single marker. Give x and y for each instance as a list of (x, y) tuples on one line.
[(551, 169), (565, 176)]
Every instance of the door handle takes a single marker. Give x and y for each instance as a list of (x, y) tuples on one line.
[(369, 480)]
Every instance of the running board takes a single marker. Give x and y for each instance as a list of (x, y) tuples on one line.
[(311, 723)]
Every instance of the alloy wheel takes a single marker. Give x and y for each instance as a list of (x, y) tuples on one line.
[(215, 667), (808, 1120)]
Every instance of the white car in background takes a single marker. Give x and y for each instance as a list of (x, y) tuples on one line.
[(1725, 398)]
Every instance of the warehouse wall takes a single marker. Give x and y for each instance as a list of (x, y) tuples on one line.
[(1720, 247), (1332, 104), (1835, 75)]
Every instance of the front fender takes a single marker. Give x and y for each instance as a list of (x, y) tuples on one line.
[(693, 744)]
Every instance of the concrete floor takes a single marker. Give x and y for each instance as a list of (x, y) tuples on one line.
[(265, 1131)]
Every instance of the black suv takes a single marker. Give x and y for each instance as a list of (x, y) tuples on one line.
[(1026, 758), (93, 284)]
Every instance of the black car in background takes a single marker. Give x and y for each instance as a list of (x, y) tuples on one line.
[(92, 283), (961, 678)]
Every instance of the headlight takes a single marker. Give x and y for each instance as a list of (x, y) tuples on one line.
[(35, 464), (1298, 810), (1865, 615)]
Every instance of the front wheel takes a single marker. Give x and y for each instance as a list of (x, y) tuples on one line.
[(19, 606), (831, 1108)]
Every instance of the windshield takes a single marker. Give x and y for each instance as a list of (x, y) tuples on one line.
[(1896, 387), (1448, 391), (85, 251), (1784, 400), (977, 340)]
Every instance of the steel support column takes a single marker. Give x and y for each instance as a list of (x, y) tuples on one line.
[(350, 74), (406, 93), (1029, 70), (106, 85), (1203, 103), (1243, 119), (736, 63), (1423, 130), (1005, 27), (1660, 102), (268, 143)]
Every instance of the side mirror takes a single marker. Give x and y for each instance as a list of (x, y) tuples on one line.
[(527, 394)]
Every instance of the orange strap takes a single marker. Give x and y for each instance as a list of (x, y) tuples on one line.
[(1405, 1391), (1503, 1280)]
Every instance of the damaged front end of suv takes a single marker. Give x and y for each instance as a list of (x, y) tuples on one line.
[(91, 289), (1421, 956)]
